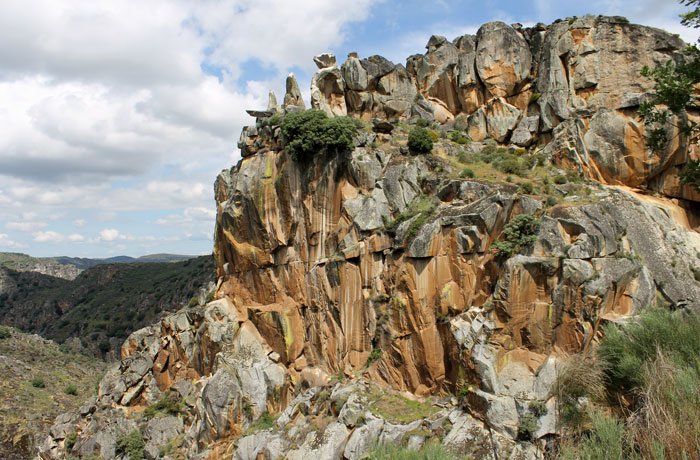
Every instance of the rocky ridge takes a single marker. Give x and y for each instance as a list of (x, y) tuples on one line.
[(358, 288)]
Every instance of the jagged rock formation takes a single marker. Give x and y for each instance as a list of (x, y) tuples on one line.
[(573, 85), (351, 277)]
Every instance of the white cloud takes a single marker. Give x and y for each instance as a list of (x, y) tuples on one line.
[(25, 227), (80, 223), (50, 236), (7, 242), (110, 234)]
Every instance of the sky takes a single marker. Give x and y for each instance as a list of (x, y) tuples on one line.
[(117, 115)]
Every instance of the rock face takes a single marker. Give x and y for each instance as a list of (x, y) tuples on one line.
[(574, 86), (354, 282)]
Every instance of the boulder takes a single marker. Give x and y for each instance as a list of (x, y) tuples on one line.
[(503, 59)]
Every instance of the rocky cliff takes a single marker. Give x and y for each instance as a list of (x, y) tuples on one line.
[(360, 297)]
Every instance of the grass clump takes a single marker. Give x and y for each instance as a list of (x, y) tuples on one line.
[(373, 356), (519, 233), (38, 382), (265, 422), (420, 205), (420, 140), (429, 451), (5, 332), (132, 445), (169, 404), (311, 131)]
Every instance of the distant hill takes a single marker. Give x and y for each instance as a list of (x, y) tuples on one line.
[(69, 267), (104, 303)]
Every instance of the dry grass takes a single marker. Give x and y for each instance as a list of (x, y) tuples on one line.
[(668, 423), (578, 377)]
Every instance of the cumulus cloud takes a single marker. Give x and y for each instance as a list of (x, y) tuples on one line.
[(8, 243), (50, 236), (110, 234), (25, 227)]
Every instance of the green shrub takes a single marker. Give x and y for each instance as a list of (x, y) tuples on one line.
[(629, 347), (5, 332), (510, 166), (421, 123), (527, 188), (458, 137), (551, 201), (467, 172), (71, 439), (606, 441), (275, 120), (71, 390), (420, 140), (538, 408), (373, 356), (132, 445), (560, 179), (194, 301), (528, 426), (311, 131), (519, 232), (534, 97), (38, 382)]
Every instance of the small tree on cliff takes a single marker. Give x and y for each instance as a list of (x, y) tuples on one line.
[(675, 98), (310, 131)]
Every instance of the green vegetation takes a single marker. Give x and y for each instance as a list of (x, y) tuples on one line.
[(105, 303), (466, 173), (132, 445), (28, 410), (653, 366), (519, 233), (5, 332), (311, 131), (71, 439), (458, 137), (38, 382), (430, 451), (420, 140), (266, 422), (674, 98), (71, 390), (421, 206), (628, 349), (373, 356), (168, 404), (395, 408)]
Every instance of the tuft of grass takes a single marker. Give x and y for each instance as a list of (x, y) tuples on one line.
[(374, 356), (430, 451), (169, 404), (38, 382), (265, 422)]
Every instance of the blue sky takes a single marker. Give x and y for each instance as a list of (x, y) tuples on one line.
[(118, 115)]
